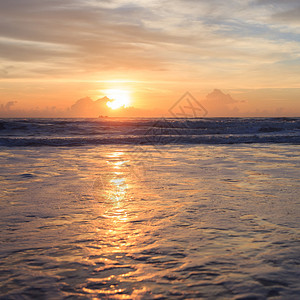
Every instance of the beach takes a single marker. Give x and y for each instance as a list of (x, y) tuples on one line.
[(173, 221)]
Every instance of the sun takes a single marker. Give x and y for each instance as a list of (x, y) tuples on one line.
[(118, 98)]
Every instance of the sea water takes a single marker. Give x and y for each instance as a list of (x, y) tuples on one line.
[(149, 209)]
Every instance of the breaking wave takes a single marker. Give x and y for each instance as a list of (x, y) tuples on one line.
[(80, 132)]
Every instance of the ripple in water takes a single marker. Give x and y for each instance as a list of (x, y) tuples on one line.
[(208, 225)]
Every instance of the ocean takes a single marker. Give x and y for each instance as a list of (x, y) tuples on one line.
[(149, 208), (160, 131)]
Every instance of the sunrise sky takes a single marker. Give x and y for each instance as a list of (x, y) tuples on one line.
[(238, 57)]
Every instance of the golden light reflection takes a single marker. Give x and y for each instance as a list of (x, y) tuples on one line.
[(119, 164), (119, 228), (117, 190), (114, 203), (115, 154)]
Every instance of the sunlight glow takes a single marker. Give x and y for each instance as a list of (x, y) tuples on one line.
[(119, 98)]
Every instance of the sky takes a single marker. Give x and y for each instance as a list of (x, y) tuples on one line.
[(236, 57)]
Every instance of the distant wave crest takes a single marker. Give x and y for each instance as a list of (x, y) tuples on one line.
[(79, 132)]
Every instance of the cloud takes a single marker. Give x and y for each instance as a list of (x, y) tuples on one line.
[(86, 107), (8, 105), (18, 50), (220, 104), (91, 40), (91, 36), (218, 97), (288, 16), (282, 12)]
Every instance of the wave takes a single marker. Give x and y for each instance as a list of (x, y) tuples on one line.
[(79, 132)]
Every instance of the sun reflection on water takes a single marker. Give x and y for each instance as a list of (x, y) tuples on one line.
[(119, 227), (114, 193)]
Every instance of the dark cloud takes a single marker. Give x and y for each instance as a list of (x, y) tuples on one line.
[(287, 11), (289, 16), (281, 3)]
